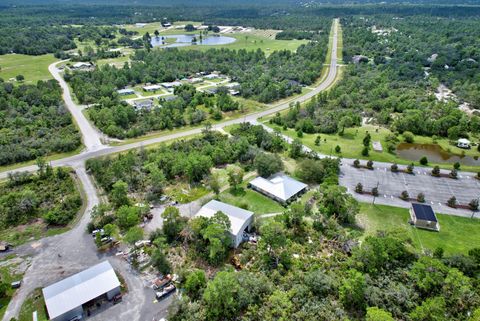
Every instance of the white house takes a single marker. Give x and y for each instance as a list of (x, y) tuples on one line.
[(152, 87), (280, 188), (240, 219), (82, 66), (126, 92)]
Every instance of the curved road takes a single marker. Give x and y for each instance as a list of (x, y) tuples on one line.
[(68, 253)]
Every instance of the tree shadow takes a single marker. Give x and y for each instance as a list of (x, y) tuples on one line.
[(238, 192)]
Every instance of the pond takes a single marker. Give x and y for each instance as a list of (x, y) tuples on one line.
[(186, 40), (434, 154)]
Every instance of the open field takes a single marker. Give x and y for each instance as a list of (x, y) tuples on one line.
[(34, 302), (457, 234), (33, 68), (250, 200), (152, 26), (9, 273), (351, 144)]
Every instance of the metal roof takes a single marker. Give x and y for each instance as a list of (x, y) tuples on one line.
[(79, 288), (424, 212), (238, 216), (280, 186)]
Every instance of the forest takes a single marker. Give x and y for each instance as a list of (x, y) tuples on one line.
[(50, 195), (394, 79), (34, 122)]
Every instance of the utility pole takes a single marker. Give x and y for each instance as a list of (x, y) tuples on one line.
[(373, 202)]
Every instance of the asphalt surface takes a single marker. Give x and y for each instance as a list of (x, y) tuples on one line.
[(57, 257)]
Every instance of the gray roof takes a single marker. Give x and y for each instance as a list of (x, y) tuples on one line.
[(424, 212), (281, 186), (79, 288), (238, 216)]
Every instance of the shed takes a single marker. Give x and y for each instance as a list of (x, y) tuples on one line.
[(240, 219), (65, 299), (423, 216), (280, 187)]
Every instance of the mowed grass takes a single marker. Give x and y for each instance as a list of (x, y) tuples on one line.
[(33, 68), (250, 200), (252, 42), (7, 276), (351, 145), (457, 234)]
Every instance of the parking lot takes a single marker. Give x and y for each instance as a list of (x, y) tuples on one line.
[(437, 190)]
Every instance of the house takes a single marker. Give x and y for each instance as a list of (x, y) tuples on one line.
[(152, 87), (65, 299), (146, 104), (233, 92), (126, 92), (211, 76), (195, 80), (280, 188), (169, 98), (463, 143), (171, 85), (359, 59), (240, 219), (166, 24), (211, 91), (423, 216), (82, 66)]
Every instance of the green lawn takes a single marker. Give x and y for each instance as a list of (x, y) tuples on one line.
[(457, 234), (33, 68), (8, 277), (34, 302), (251, 201), (351, 144)]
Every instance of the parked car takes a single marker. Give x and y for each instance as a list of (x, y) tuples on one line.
[(166, 291), (107, 239), (16, 284), (95, 232)]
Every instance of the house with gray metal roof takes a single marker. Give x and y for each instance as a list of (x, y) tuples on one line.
[(65, 299), (280, 187), (240, 219)]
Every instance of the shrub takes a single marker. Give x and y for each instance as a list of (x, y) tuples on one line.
[(423, 161), (410, 168), (359, 188), (478, 174), (453, 173), (338, 149), (456, 166), (473, 205), (318, 140), (436, 171), (391, 148), (375, 191), (452, 202), (299, 133), (394, 168), (370, 164), (365, 151), (356, 164), (408, 137), (404, 195), (421, 198)]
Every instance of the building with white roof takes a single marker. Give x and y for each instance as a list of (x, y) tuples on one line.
[(152, 87), (463, 143), (280, 188), (240, 219), (82, 66), (126, 92), (170, 85), (65, 299)]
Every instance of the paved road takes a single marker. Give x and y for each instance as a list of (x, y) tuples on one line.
[(95, 148), (91, 136), (59, 256)]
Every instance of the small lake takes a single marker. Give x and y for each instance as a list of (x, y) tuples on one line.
[(434, 154), (186, 40)]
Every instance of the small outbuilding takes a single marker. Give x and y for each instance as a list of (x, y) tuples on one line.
[(463, 143), (281, 188), (65, 299), (240, 220), (423, 216)]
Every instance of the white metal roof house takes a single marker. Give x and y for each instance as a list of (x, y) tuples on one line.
[(240, 219), (65, 299), (126, 92), (82, 66), (281, 188), (152, 87)]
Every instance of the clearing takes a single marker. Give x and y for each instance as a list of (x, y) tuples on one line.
[(33, 68)]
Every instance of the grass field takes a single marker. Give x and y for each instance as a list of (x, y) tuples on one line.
[(8, 274), (457, 234), (34, 302), (33, 68), (251, 201), (351, 145)]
